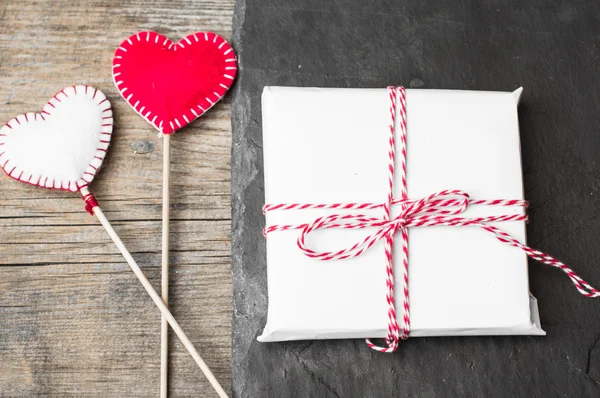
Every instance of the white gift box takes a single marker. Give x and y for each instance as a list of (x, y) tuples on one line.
[(331, 145)]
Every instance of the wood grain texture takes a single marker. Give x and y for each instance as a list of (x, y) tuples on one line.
[(74, 321)]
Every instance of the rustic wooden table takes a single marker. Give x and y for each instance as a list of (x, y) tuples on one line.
[(74, 320)]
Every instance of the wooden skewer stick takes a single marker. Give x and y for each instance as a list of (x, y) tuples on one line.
[(164, 326), (156, 298)]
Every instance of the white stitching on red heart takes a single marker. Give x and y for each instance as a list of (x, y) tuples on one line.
[(136, 104)]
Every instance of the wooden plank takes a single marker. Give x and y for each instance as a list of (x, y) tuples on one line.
[(74, 321)]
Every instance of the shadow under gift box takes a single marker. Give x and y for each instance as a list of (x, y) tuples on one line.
[(329, 145)]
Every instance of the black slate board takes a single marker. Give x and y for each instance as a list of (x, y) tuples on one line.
[(550, 48)]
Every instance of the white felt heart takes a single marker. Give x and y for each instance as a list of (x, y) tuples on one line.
[(63, 146)]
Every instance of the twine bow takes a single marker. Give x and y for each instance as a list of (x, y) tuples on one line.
[(441, 208), (435, 209)]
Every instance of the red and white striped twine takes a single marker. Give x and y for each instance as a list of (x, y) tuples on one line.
[(441, 208)]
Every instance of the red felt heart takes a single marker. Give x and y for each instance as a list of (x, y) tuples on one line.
[(171, 84)]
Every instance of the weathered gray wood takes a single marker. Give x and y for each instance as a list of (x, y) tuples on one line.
[(74, 321)]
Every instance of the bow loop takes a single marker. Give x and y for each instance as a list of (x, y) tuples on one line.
[(346, 221), (443, 203), (435, 207)]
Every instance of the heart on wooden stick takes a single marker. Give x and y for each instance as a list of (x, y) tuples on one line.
[(63, 146), (171, 84)]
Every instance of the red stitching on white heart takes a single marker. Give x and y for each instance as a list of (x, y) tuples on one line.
[(136, 104), (106, 129)]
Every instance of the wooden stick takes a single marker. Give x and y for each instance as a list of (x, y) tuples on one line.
[(164, 326), (156, 298)]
